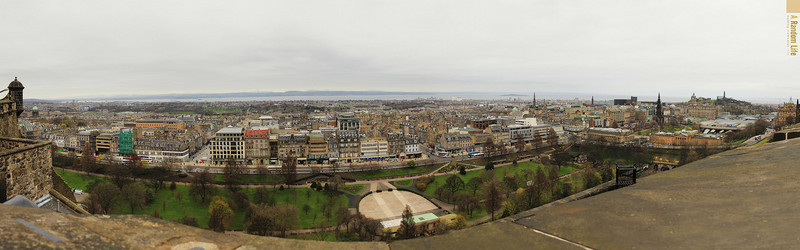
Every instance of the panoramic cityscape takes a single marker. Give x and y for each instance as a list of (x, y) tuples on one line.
[(422, 129)]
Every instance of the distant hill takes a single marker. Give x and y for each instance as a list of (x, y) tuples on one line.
[(249, 94), (738, 107)]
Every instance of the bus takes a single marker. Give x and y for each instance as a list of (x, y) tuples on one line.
[(475, 154)]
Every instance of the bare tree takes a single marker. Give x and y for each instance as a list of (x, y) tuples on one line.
[(474, 184), (232, 174), (454, 183), (135, 165), (201, 185), (102, 197), (289, 169), (134, 194), (493, 198), (88, 162)]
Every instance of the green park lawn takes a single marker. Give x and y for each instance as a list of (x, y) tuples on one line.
[(739, 141), (77, 180), (499, 172), (681, 127), (254, 179), (403, 183), (189, 206), (396, 172), (354, 189), (223, 110), (477, 214)]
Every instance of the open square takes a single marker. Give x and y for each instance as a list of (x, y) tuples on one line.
[(390, 204)]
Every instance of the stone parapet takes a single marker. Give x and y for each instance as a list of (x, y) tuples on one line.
[(25, 167)]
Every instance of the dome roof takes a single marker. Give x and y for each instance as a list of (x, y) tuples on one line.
[(15, 84), (35, 108)]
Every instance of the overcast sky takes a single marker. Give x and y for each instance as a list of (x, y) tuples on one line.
[(67, 49)]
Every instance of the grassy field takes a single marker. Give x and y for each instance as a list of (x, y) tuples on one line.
[(188, 206), (254, 179), (739, 141), (353, 189), (477, 214), (396, 172), (76, 180), (403, 183), (679, 128), (499, 172), (222, 110)]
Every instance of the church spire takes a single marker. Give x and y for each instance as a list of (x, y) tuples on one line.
[(659, 111)]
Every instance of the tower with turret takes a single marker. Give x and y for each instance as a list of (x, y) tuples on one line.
[(10, 109), (15, 95)]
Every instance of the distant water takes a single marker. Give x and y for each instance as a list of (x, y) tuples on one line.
[(340, 98), (443, 96)]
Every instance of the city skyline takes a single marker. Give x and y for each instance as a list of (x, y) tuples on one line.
[(605, 48)]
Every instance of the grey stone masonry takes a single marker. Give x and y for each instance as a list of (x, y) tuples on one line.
[(26, 167)]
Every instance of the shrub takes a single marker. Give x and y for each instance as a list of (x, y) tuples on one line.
[(426, 179), (241, 199), (190, 221), (422, 186)]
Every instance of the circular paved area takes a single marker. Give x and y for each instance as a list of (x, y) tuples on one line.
[(390, 204)]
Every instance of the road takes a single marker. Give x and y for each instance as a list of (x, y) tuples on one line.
[(755, 139)]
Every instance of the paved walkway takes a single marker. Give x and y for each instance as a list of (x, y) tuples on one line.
[(390, 204)]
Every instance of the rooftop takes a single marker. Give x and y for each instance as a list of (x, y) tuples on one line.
[(231, 130)]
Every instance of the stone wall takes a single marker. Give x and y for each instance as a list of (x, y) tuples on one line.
[(8, 120), (27, 169)]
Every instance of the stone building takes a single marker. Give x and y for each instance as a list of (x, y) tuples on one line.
[(482, 123), (228, 143), (348, 121), (374, 149), (685, 138), (256, 145), (397, 144), (788, 113), (454, 143), (349, 146), (292, 145), (608, 135), (703, 111), (317, 148)]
